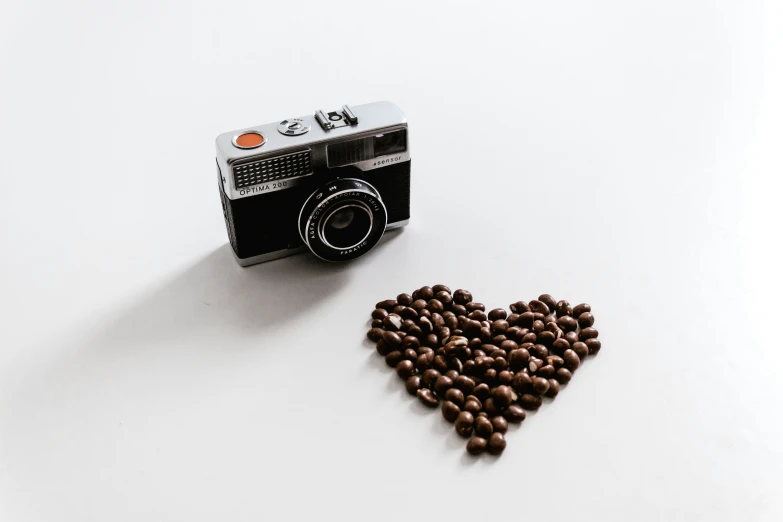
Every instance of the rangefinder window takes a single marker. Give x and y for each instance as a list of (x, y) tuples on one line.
[(349, 152), (389, 143)]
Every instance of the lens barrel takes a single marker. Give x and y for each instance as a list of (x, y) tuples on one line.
[(342, 220)]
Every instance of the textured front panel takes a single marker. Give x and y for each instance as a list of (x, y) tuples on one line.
[(272, 169)]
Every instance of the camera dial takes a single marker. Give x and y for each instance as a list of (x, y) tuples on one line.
[(342, 220)]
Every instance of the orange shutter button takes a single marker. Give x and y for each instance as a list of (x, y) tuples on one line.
[(248, 140)]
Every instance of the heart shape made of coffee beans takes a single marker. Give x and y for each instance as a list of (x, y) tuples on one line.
[(486, 367)]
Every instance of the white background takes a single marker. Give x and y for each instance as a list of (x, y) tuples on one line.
[(625, 154)]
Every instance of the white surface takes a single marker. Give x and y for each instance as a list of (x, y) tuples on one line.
[(626, 154)]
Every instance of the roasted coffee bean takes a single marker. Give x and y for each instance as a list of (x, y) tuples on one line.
[(559, 346), (538, 327), (392, 339), (471, 328), (518, 359), (499, 424), (454, 343), (410, 354), (382, 348), (483, 427), (404, 299), (490, 407), (459, 310), (451, 322), (472, 406), (434, 306), (397, 309), (503, 396), (394, 358), (529, 337), (563, 375), (498, 339), (472, 306), (508, 345), (520, 307), (515, 413), (424, 361), (481, 391), (476, 445), (513, 320), (593, 345), (586, 320), (490, 376), (455, 395), (450, 411), (499, 364), (440, 351), (469, 367), (499, 326), (423, 349), (563, 308), (462, 297), (375, 334), (376, 323), (496, 314), (431, 340), (392, 322), (410, 341), (442, 384), (522, 382), (546, 371), (441, 288), (498, 353), (409, 313), (464, 424), (539, 351), (426, 293), (485, 334), (387, 305), (427, 398), (526, 320), (512, 332), (405, 369), (415, 331), (443, 333), (407, 324), (478, 315), (425, 324), (572, 337), (581, 349), (548, 300), (580, 309), (418, 305), (429, 377), (537, 306), (546, 338), (505, 377), (464, 384), (496, 444), (571, 360), (554, 328), (444, 297), (412, 384), (538, 316), (464, 353), (587, 333), (529, 401), (534, 364), (540, 385), (555, 361), (554, 388), (455, 365), (379, 313)]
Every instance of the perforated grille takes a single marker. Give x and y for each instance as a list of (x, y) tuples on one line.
[(271, 169)]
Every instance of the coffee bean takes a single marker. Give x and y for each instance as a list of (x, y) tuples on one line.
[(473, 406), (379, 313), (412, 384), (415, 331), (405, 369), (485, 334), (529, 402), (410, 354), (478, 315), (435, 306), (481, 391), (490, 407), (451, 322), (429, 377), (490, 376), (424, 361), (471, 328), (469, 367), (406, 325), (459, 310), (539, 351), (483, 427), (499, 326), (500, 424), (444, 298), (476, 445), (450, 411), (571, 337), (464, 384), (546, 371), (520, 307), (559, 346), (375, 334), (563, 375), (518, 359), (534, 364), (397, 309), (563, 308), (431, 340), (496, 444), (571, 360), (462, 297), (593, 345), (538, 317), (500, 364), (586, 320), (580, 309), (427, 398), (455, 395), (472, 307), (529, 337), (376, 323), (426, 293), (409, 313), (502, 396), (505, 377), (464, 424), (550, 319), (442, 384), (546, 338), (567, 323), (452, 374), (441, 288), (538, 327), (581, 349), (404, 299), (522, 382), (587, 333), (387, 305), (499, 339), (410, 341), (537, 306), (394, 358), (426, 325), (554, 388), (508, 345), (382, 348), (418, 305), (392, 322), (392, 339), (526, 320), (515, 413), (496, 314), (540, 385), (548, 300), (555, 361)]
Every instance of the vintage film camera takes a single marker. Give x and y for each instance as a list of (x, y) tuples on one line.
[(332, 182)]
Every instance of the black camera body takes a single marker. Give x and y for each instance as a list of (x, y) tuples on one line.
[(333, 182)]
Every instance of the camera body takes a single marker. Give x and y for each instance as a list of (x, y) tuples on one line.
[(332, 182)]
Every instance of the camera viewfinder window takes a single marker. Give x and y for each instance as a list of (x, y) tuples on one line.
[(389, 143), (348, 152)]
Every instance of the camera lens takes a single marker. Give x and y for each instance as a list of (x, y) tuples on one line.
[(342, 219)]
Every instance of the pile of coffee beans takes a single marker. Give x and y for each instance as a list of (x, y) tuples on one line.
[(483, 369)]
